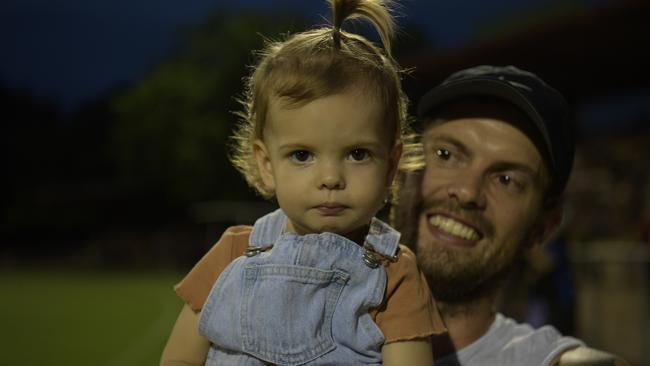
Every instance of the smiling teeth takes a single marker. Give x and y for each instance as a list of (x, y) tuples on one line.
[(453, 227)]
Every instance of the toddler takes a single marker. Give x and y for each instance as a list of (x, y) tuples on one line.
[(320, 280)]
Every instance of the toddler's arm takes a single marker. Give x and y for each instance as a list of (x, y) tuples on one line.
[(185, 345), (413, 353)]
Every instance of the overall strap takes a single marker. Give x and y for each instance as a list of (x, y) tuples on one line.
[(381, 243), (267, 229)]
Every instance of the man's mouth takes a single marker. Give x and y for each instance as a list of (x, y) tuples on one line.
[(452, 227)]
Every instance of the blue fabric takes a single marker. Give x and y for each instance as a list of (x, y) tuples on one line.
[(305, 302)]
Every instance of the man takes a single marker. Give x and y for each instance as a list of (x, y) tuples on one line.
[(498, 151)]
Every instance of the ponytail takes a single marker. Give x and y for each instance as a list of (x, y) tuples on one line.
[(376, 11)]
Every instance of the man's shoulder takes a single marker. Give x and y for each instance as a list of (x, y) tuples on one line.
[(548, 345), (521, 341), (508, 342), (583, 356)]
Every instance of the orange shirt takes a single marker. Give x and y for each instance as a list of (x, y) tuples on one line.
[(407, 312)]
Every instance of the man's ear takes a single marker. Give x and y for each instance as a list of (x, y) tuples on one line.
[(393, 162), (263, 160), (548, 225)]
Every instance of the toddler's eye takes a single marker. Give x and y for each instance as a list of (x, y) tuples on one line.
[(301, 156), (359, 154), (443, 154)]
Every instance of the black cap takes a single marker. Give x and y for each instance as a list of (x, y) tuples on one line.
[(546, 107)]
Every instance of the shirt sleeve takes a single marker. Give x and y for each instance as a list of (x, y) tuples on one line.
[(195, 287), (409, 310)]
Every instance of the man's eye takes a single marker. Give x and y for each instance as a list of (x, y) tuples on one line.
[(359, 154), (443, 154), (505, 179), (301, 156), (510, 182)]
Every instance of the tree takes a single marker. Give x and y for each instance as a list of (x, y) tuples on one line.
[(171, 128)]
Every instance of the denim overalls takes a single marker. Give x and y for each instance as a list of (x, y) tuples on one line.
[(305, 302)]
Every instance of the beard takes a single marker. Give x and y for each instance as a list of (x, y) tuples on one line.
[(460, 276), (455, 277)]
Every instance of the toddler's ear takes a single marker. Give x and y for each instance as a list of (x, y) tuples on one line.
[(261, 155)]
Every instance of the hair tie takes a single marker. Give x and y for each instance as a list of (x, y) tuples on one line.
[(336, 38)]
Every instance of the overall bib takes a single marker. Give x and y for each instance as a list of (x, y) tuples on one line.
[(305, 302)]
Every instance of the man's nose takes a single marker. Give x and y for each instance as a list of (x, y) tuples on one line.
[(331, 176), (468, 188)]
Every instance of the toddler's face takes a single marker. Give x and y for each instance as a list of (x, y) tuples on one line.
[(330, 161)]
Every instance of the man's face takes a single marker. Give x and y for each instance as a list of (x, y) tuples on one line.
[(482, 193)]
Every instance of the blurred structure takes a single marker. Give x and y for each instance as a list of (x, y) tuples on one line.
[(585, 53)]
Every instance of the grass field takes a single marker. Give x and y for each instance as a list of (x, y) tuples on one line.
[(85, 318)]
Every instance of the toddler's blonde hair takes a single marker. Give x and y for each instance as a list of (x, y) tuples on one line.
[(319, 63)]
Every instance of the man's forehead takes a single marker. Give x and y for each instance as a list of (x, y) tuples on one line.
[(482, 107), (479, 107), (483, 133)]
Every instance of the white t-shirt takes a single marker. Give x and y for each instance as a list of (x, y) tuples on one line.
[(510, 343)]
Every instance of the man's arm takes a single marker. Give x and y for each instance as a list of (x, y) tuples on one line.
[(584, 356)]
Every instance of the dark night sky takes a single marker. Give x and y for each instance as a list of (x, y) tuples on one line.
[(70, 50)]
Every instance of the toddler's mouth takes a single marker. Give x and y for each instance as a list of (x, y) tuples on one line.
[(330, 208)]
